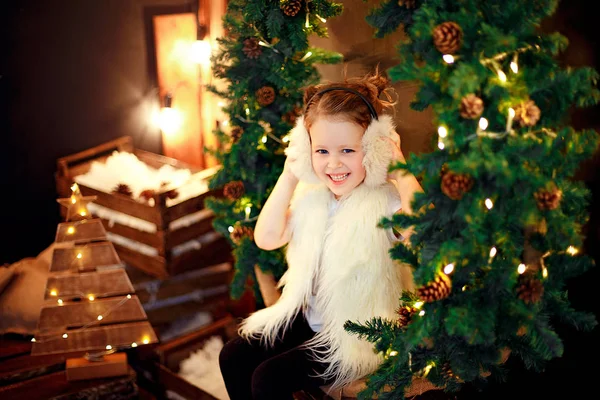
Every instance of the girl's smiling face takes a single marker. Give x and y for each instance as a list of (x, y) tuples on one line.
[(337, 154)]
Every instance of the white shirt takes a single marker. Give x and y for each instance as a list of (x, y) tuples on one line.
[(313, 316)]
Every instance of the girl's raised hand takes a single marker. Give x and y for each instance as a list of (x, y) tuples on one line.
[(287, 172)]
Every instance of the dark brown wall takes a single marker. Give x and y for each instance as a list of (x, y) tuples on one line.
[(74, 74)]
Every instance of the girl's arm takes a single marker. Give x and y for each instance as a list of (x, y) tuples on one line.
[(406, 184), (271, 231)]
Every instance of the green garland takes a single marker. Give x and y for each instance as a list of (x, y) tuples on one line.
[(500, 207), (265, 61)]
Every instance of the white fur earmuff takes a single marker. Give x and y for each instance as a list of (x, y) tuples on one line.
[(378, 152)]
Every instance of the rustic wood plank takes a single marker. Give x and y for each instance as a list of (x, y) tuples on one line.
[(84, 231), (211, 253), (157, 161), (167, 314), (59, 318), (56, 387), (88, 257), (124, 204), (153, 239), (153, 265), (189, 206), (100, 284), (68, 163), (171, 353), (182, 235), (187, 282), (177, 384), (95, 339)]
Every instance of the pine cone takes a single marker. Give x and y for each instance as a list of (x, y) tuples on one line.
[(147, 194), (548, 199), (471, 106), (236, 134), (265, 95), (251, 48), (456, 185), (438, 289), (405, 314), (291, 116), (447, 372), (172, 194), (240, 232), (530, 289), (527, 114), (291, 7), (123, 189), (234, 190), (447, 37), (407, 3)]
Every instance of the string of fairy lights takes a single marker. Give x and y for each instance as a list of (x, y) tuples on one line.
[(79, 257), (481, 131)]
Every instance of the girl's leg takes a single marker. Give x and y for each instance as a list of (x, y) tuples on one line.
[(239, 358), (279, 377)]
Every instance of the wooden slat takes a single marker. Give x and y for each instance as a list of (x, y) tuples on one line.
[(163, 315), (96, 338), (171, 353), (68, 163), (56, 386), (182, 235), (153, 265), (189, 206), (100, 284), (157, 161), (85, 231), (153, 239), (124, 204), (71, 315), (211, 253), (203, 278), (93, 256), (183, 388)]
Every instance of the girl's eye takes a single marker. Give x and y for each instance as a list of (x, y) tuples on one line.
[(321, 151), (346, 151)]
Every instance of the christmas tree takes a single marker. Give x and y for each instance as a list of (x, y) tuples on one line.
[(265, 62), (499, 226)]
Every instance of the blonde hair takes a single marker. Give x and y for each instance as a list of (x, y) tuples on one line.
[(347, 106)]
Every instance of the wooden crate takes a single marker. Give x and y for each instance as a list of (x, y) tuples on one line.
[(172, 353), (164, 240)]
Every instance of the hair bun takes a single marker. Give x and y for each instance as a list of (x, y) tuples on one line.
[(379, 81)]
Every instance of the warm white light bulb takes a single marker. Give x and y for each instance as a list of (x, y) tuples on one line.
[(108, 347), (230, 229), (442, 131), (483, 124), (128, 296), (60, 302), (264, 139), (100, 317), (511, 112), (441, 145), (33, 340), (91, 297), (493, 252), (170, 120), (572, 250), (521, 268), (489, 204), (53, 292), (79, 255), (134, 344), (71, 230), (418, 304), (514, 67), (545, 272), (448, 269), (448, 58), (286, 139), (393, 353), (501, 75), (421, 313), (65, 336)]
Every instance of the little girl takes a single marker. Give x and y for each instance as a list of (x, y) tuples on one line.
[(326, 205)]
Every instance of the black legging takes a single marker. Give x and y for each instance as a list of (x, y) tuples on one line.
[(253, 371)]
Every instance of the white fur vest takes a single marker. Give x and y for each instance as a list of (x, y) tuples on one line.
[(357, 278)]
